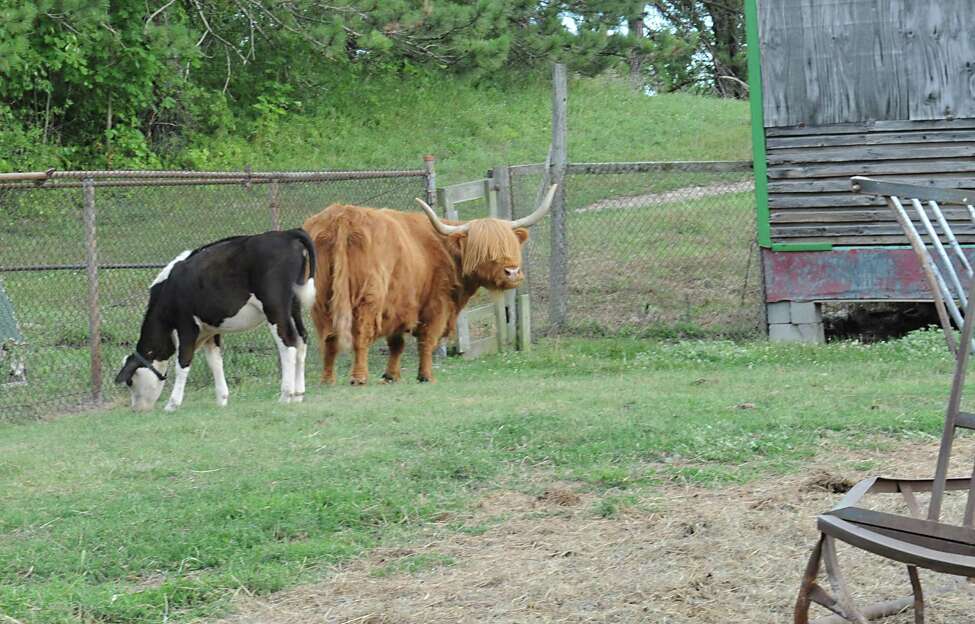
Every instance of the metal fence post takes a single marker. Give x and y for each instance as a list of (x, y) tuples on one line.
[(94, 313), (273, 204), (429, 162), (558, 261)]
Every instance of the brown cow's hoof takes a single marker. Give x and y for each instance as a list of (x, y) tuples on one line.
[(388, 379), (357, 382), (424, 379), (328, 380)]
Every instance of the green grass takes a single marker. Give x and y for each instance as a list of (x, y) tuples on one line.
[(384, 123), (119, 517)]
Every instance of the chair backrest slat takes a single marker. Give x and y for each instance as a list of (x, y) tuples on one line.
[(950, 276), (927, 266), (946, 228), (942, 255)]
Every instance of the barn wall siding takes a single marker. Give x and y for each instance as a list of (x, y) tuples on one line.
[(809, 171), (862, 60)]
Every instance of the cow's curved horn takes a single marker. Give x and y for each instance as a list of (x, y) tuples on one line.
[(542, 210), (444, 228)]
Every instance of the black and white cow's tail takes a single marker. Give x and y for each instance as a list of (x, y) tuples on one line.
[(304, 288)]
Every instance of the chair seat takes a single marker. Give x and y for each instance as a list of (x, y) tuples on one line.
[(926, 550)]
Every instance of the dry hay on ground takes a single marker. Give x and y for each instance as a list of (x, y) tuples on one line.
[(690, 554)]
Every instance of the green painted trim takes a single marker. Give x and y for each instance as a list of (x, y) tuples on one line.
[(755, 99), (802, 246)]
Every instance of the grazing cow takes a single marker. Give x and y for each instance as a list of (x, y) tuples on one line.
[(389, 273), (230, 285)]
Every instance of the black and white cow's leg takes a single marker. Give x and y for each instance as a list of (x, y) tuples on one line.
[(286, 337), (185, 345), (302, 351), (212, 351)]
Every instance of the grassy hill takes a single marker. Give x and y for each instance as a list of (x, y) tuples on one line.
[(386, 123)]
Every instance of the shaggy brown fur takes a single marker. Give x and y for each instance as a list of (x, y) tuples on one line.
[(389, 273)]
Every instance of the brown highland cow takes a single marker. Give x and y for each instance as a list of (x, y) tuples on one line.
[(389, 273)]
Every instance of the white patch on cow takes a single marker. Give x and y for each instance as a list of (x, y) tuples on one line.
[(249, 316), (215, 361), (146, 387), (289, 356), (305, 293), (164, 274)]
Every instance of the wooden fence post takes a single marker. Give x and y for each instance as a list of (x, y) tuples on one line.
[(524, 323), (502, 186), (449, 211), (558, 260), (94, 313)]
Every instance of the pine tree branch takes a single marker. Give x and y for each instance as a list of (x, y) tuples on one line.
[(157, 12)]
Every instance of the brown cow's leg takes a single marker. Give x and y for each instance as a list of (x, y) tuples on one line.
[(396, 345), (362, 338), (331, 350), (428, 341)]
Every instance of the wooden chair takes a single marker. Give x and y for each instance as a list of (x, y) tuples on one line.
[(920, 539)]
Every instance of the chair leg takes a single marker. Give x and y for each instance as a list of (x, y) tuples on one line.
[(804, 600), (918, 595), (838, 583)]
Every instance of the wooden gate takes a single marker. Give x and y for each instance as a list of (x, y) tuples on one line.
[(485, 326)]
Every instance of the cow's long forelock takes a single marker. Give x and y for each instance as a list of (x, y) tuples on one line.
[(489, 240)]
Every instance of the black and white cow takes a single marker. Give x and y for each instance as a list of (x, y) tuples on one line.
[(230, 285)]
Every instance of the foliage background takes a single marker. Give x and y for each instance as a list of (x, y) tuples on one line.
[(187, 83)]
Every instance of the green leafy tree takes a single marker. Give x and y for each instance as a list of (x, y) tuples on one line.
[(129, 83), (717, 29)]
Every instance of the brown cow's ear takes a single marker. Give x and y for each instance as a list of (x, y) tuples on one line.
[(457, 237), (522, 234)]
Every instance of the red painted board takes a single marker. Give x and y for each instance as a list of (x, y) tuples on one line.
[(845, 275)]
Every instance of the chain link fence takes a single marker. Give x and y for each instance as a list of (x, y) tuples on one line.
[(138, 222), (653, 249)]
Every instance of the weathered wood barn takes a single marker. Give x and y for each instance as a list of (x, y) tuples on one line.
[(884, 88)]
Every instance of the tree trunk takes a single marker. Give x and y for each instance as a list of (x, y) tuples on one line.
[(730, 66), (636, 57)]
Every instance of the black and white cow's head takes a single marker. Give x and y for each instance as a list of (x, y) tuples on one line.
[(144, 378), (144, 371)]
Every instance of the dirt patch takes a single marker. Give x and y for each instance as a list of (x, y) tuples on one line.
[(563, 497), (682, 554), (828, 482), (667, 197)]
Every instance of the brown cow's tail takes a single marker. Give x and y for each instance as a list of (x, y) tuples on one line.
[(340, 304)]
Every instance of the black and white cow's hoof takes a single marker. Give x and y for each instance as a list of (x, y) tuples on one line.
[(297, 397), (171, 407)]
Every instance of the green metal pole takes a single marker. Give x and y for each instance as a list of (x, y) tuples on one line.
[(762, 219)]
